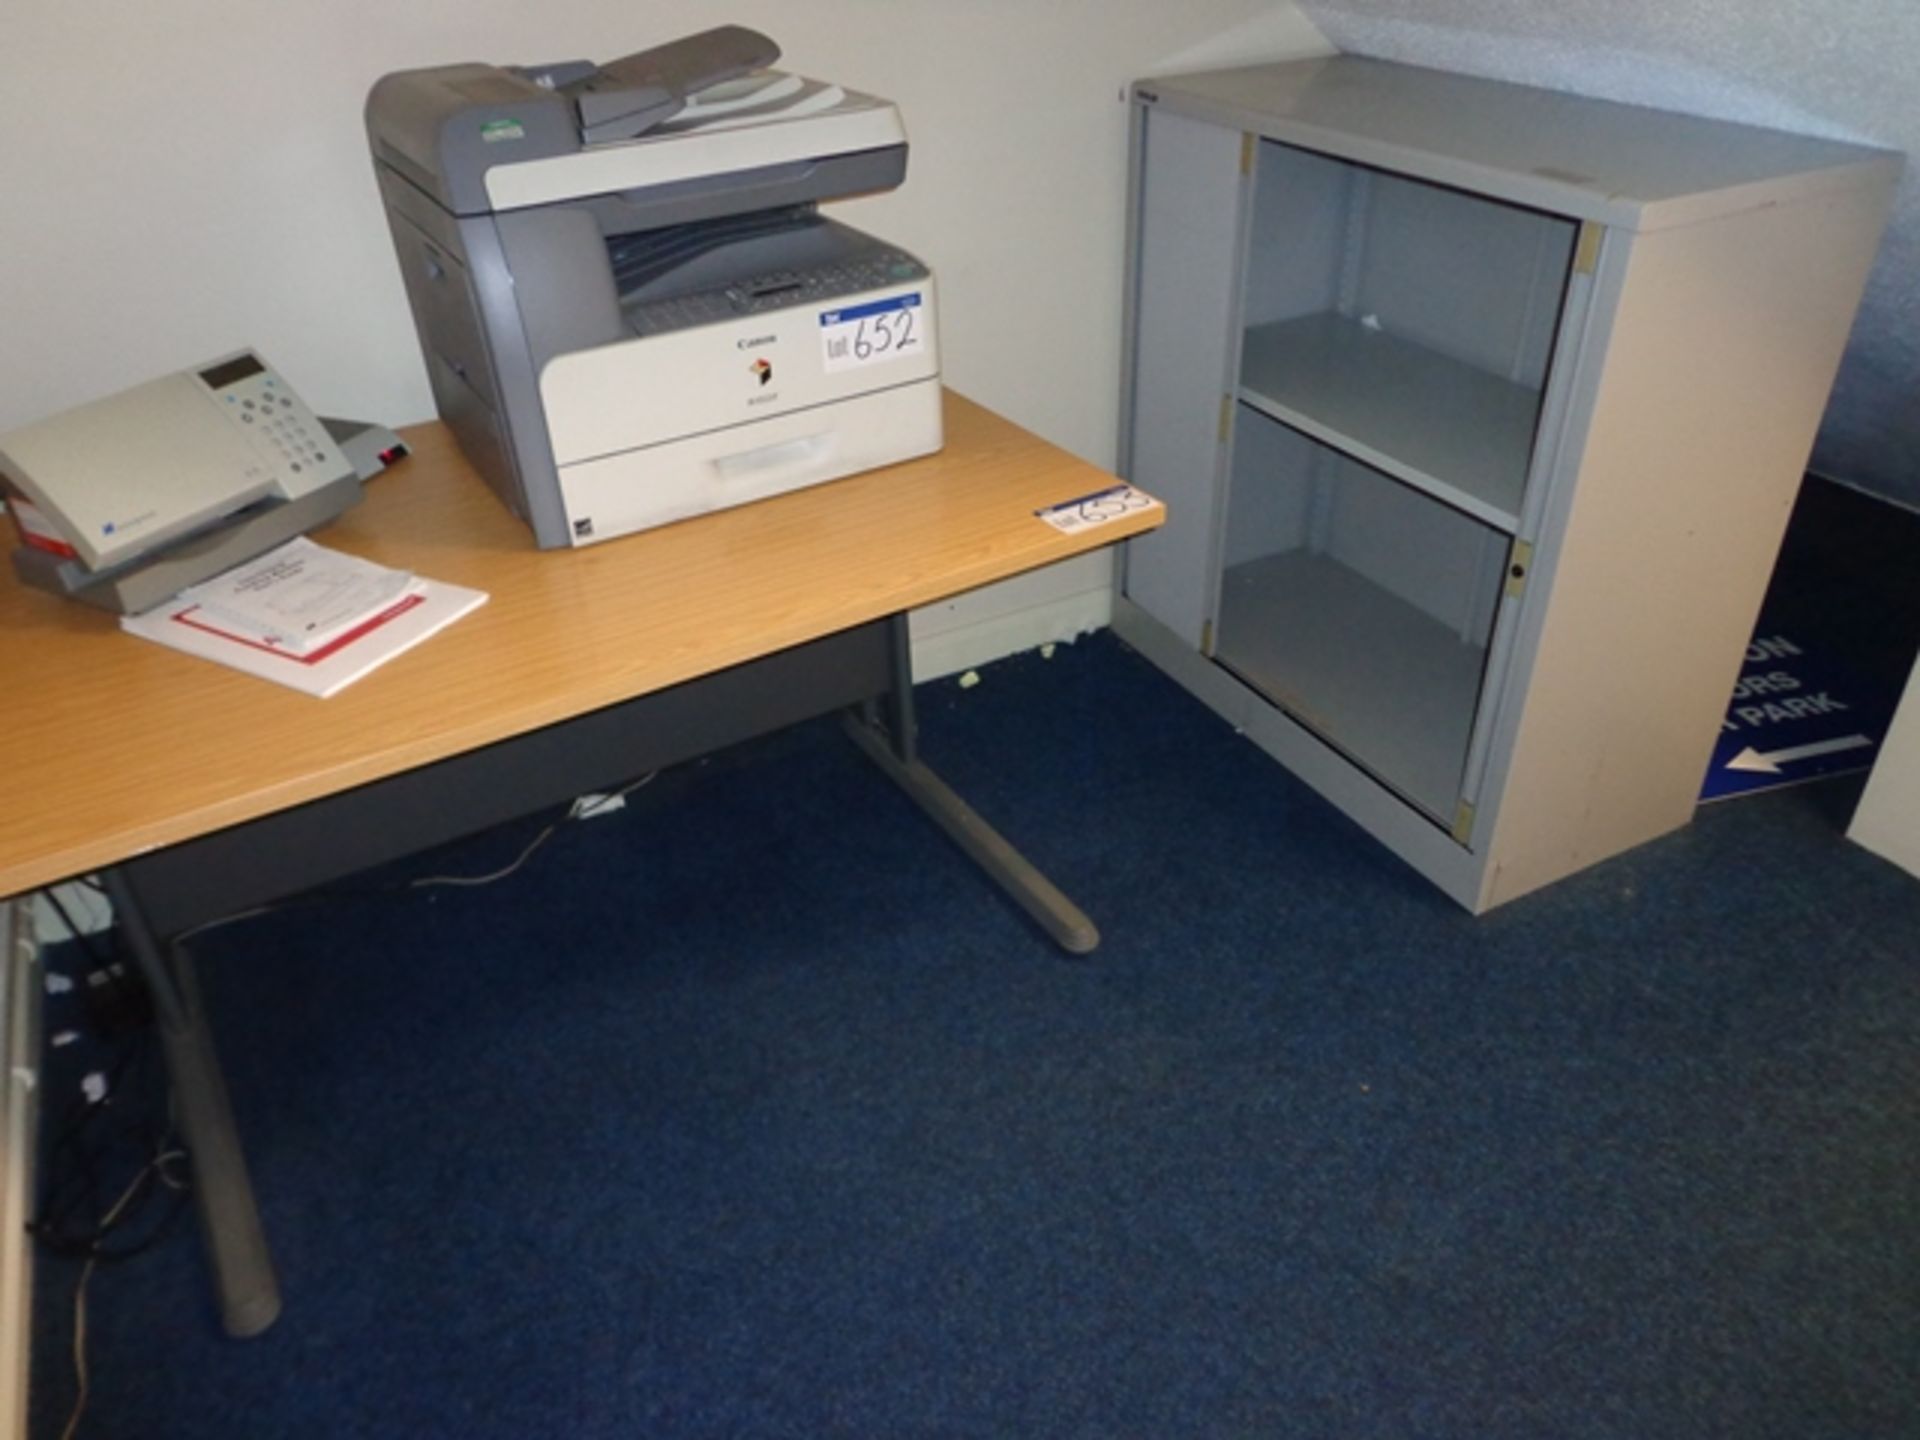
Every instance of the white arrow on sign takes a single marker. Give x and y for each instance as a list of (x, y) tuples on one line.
[(1772, 760)]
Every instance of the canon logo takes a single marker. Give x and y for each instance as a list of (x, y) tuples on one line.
[(756, 341)]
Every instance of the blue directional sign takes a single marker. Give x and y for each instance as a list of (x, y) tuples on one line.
[(1797, 713)]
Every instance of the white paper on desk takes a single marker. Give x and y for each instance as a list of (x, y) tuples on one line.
[(298, 596), (330, 669)]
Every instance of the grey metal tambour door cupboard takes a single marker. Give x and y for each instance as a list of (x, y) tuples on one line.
[(1479, 411)]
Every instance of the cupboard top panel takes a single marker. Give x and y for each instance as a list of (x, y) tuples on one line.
[(1590, 159)]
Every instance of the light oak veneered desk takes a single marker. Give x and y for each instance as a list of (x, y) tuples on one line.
[(198, 792)]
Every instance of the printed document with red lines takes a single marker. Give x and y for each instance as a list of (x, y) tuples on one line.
[(305, 616)]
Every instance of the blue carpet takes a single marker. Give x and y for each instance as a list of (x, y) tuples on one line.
[(752, 1111)]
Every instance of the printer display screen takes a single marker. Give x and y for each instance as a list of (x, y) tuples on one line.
[(239, 368)]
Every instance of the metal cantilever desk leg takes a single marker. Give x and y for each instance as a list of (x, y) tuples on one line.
[(165, 894), (230, 1221), (893, 748)]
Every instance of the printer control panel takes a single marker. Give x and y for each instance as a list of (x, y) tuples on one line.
[(775, 290)]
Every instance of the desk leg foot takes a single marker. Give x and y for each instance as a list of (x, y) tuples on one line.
[(1066, 924), (236, 1244)]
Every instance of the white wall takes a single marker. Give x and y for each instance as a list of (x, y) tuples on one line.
[(190, 177)]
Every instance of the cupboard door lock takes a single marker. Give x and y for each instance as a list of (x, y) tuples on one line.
[(1462, 823), (1519, 562)]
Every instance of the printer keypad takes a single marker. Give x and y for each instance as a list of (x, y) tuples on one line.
[(284, 434)]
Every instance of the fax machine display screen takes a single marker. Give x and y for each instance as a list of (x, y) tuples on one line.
[(240, 368)]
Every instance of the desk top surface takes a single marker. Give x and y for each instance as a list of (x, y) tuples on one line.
[(116, 746)]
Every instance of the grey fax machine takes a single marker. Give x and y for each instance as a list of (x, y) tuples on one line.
[(126, 500), (629, 303)]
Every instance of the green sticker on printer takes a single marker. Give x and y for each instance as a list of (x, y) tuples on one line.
[(494, 130)]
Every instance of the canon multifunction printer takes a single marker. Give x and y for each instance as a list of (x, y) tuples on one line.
[(630, 306)]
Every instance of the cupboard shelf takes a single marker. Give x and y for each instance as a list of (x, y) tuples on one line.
[(1442, 426), (1390, 683)]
